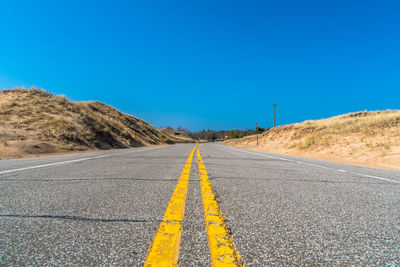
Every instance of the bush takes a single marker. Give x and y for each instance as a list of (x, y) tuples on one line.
[(307, 143), (259, 130)]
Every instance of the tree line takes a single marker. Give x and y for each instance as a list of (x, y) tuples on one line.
[(218, 135)]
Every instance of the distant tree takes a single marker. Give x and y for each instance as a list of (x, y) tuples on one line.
[(214, 135), (233, 134), (259, 130), (183, 129)]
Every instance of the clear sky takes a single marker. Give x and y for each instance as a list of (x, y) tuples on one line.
[(208, 64)]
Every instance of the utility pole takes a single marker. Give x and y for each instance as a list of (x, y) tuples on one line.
[(275, 105), (257, 138)]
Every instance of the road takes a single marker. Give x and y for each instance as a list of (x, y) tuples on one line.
[(113, 207)]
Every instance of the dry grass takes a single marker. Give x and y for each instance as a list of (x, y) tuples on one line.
[(183, 137), (366, 138), (35, 121)]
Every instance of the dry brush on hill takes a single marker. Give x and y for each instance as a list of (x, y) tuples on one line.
[(366, 138), (35, 121)]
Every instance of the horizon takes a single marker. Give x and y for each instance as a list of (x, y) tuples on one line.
[(206, 129), (205, 65)]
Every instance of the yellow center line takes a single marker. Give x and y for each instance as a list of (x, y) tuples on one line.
[(222, 248), (164, 250)]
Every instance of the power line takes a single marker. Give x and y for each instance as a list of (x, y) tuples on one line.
[(275, 105)]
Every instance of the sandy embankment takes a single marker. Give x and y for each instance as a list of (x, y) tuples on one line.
[(369, 139)]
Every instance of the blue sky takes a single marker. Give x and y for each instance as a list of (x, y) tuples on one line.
[(208, 64)]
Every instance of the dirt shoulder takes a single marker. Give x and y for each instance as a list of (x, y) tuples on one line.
[(391, 163), (18, 153)]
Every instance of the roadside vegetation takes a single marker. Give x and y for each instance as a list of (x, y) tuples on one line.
[(371, 138), (35, 121), (213, 135)]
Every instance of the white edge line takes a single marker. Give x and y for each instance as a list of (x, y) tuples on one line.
[(377, 177), (77, 160), (316, 165)]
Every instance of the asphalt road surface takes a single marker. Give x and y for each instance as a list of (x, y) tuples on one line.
[(107, 207)]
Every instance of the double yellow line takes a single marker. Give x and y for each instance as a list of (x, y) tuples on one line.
[(164, 250)]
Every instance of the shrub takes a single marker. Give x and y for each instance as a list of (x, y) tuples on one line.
[(307, 142)]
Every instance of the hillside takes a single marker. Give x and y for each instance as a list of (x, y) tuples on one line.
[(34, 122), (363, 138), (182, 137)]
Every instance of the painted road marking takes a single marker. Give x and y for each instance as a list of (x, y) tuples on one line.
[(378, 178), (75, 160), (164, 250), (222, 248), (318, 166)]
